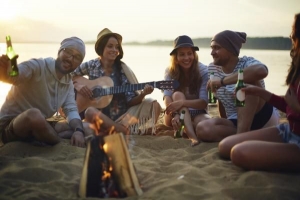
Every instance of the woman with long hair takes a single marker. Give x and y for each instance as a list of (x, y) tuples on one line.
[(126, 110), (191, 96)]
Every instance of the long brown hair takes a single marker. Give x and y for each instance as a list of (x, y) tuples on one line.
[(102, 44), (294, 70), (194, 79)]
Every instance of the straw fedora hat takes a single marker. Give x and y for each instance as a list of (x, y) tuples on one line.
[(106, 32), (183, 41)]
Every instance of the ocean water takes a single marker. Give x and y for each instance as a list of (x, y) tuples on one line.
[(149, 62)]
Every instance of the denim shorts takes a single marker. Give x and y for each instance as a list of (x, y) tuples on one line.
[(287, 135)]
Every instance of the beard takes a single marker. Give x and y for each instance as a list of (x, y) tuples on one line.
[(59, 66)]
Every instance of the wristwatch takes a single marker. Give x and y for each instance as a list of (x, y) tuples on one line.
[(80, 130)]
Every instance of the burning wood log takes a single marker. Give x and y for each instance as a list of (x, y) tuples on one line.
[(107, 169)]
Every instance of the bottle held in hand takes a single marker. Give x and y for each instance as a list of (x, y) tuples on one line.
[(179, 132), (240, 95), (211, 96), (13, 69)]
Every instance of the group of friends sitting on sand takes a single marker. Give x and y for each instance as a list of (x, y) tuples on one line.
[(250, 136)]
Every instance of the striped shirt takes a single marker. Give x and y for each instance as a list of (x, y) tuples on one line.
[(225, 94)]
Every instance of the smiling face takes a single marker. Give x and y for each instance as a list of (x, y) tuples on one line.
[(67, 61), (111, 49), (185, 57), (220, 55)]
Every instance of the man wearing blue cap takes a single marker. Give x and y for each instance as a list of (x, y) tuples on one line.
[(42, 87), (225, 50)]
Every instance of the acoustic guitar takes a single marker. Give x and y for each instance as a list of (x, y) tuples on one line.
[(103, 90)]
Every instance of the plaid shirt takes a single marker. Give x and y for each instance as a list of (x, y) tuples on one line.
[(118, 105)]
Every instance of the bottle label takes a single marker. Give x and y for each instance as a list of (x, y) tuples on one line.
[(240, 95)]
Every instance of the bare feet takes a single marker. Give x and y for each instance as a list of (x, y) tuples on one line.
[(194, 142)]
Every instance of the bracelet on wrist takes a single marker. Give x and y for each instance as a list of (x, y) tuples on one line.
[(222, 81)]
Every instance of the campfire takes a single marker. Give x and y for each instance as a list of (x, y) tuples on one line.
[(107, 168)]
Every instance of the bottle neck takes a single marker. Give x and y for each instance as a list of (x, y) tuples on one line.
[(8, 44), (8, 41), (241, 76), (182, 116)]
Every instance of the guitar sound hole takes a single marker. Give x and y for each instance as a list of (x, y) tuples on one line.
[(97, 92)]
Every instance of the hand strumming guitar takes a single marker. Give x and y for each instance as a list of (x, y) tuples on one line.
[(83, 90)]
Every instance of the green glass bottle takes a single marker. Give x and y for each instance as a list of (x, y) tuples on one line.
[(13, 70), (240, 95), (211, 97), (179, 132)]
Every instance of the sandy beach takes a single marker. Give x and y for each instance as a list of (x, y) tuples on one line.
[(167, 168)]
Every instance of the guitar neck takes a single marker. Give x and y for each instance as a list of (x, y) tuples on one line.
[(97, 92)]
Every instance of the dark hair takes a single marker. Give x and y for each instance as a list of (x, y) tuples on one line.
[(294, 70), (102, 45)]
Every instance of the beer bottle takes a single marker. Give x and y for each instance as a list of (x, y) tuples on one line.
[(211, 97), (240, 95), (179, 132), (13, 70)]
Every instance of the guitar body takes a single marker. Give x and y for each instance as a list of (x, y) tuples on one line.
[(98, 102), (103, 90)]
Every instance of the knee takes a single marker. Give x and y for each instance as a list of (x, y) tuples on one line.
[(34, 115), (224, 148), (203, 131), (90, 114), (88, 129), (178, 95), (239, 155)]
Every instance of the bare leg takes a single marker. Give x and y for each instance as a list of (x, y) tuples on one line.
[(197, 120), (167, 119), (246, 114), (32, 123), (266, 134), (261, 155), (93, 114), (215, 129), (64, 131), (188, 125)]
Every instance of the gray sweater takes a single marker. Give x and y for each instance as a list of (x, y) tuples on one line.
[(37, 86)]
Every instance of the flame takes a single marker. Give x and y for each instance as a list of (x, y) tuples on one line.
[(111, 130), (105, 147), (97, 122), (106, 175)]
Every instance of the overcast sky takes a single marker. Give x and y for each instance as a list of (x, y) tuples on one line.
[(140, 20)]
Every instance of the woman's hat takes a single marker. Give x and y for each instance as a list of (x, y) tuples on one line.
[(183, 41), (106, 32)]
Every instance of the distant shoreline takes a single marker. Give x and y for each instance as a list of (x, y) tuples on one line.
[(262, 43)]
